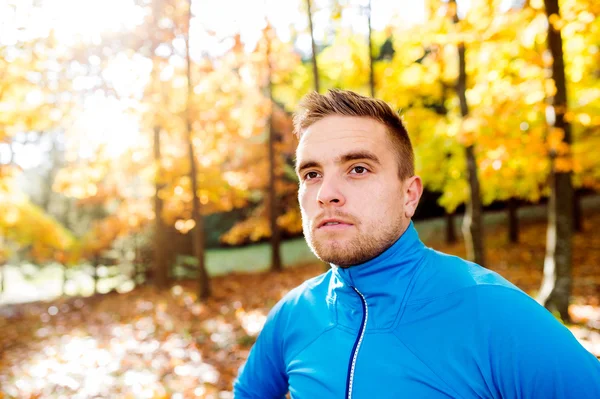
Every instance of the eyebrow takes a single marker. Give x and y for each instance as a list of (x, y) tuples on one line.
[(351, 156)]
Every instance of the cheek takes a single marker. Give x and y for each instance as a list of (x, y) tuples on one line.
[(381, 202), (305, 197)]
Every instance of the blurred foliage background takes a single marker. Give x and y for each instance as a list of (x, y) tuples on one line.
[(135, 135)]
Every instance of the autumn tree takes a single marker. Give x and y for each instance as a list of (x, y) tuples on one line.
[(198, 230), (29, 66), (557, 285), (273, 201), (271, 171), (371, 56), (473, 219), (313, 54)]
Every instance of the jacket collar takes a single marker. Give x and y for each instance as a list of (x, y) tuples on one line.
[(385, 281)]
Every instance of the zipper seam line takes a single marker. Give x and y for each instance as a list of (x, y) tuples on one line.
[(359, 343)]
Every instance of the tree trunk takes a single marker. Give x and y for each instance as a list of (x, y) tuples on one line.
[(313, 47), (371, 61), (138, 272), (450, 228), (2, 243), (161, 270), (513, 220), (473, 219), (65, 279), (577, 214), (2, 278), (273, 200), (95, 263), (555, 291), (204, 290)]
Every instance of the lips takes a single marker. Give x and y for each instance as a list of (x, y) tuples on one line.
[(333, 222)]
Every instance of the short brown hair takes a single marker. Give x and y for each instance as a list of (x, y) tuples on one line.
[(315, 106)]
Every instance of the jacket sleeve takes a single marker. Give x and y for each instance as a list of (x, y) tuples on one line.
[(263, 376), (533, 355)]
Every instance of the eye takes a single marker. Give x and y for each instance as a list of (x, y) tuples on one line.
[(359, 170), (311, 175)]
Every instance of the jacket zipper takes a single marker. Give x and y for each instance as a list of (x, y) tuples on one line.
[(357, 343)]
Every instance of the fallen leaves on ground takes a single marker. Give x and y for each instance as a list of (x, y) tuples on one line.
[(163, 344)]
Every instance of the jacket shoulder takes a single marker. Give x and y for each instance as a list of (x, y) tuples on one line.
[(443, 274), (306, 293), (303, 314)]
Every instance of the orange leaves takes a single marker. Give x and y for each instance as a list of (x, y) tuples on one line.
[(555, 142), (556, 21), (253, 229), (291, 221), (101, 236)]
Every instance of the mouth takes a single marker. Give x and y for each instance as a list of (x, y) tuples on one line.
[(333, 224)]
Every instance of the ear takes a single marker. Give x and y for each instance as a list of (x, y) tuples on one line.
[(413, 189)]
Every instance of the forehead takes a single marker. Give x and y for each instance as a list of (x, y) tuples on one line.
[(334, 135)]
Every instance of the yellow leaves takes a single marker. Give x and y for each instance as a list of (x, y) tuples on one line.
[(586, 119), (345, 63), (27, 225), (412, 75), (252, 229), (534, 97), (586, 17), (550, 87), (575, 44), (79, 181), (536, 4), (291, 221)]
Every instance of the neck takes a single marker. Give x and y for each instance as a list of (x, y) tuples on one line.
[(386, 279)]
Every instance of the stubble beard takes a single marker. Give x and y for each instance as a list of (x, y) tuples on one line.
[(346, 251)]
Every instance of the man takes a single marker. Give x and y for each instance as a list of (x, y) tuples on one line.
[(393, 318)]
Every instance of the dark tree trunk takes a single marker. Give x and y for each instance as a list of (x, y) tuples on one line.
[(513, 220), (473, 219), (556, 288), (577, 214), (450, 228), (204, 290), (138, 271), (276, 264), (161, 270), (371, 61), (65, 279), (313, 46), (2, 243), (2, 278), (95, 264)]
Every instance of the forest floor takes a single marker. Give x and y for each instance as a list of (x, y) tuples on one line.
[(163, 344)]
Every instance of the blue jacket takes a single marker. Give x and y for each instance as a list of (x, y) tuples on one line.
[(415, 323)]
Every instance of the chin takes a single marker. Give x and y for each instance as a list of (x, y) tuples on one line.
[(339, 256)]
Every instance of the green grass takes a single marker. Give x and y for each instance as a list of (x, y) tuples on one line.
[(256, 257)]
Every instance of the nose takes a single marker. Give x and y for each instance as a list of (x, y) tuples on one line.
[(330, 193)]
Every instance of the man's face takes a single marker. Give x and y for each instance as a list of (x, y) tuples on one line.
[(350, 195)]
